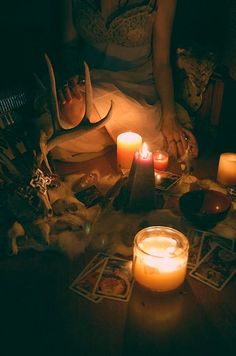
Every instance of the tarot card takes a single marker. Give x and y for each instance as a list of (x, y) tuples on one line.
[(96, 261), (90, 196), (92, 297), (210, 240), (85, 284), (195, 238), (216, 268), (165, 180), (116, 280)]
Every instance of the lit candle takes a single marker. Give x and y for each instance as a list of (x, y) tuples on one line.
[(157, 178), (127, 144), (227, 169), (161, 159), (160, 258), (141, 182)]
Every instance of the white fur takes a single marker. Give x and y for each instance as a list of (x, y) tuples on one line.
[(13, 233)]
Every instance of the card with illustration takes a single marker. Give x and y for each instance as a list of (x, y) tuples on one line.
[(84, 284), (210, 240), (216, 268), (116, 280), (92, 297), (165, 180), (95, 261), (195, 238)]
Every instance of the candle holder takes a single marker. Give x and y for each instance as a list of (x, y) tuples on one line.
[(160, 258), (161, 160)]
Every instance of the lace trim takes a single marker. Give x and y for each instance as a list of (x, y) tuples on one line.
[(131, 28)]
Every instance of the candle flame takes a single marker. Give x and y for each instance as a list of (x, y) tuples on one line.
[(144, 152), (158, 177)]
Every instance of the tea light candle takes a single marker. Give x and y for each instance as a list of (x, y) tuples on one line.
[(226, 174), (160, 258), (161, 159), (127, 144)]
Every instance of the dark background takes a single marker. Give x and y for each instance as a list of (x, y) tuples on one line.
[(29, 28)]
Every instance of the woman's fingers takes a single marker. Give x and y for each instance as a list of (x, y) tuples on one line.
[(74, 87), (180, 147), (172, 147), (64, 94), (180, 141), (61, 97), (67, 92), (69, 89), (191, 141)]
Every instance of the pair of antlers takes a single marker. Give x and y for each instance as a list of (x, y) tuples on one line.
[(60, 134)]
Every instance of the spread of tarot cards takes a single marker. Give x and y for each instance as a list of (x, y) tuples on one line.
[(212, 258), (105, 277), (165, 180)]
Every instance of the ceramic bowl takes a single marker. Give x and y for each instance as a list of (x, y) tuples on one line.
[(204, 208)]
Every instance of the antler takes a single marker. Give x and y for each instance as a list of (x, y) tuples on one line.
[(61, 135)]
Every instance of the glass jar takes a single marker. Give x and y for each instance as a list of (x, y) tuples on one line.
[(160, 258)]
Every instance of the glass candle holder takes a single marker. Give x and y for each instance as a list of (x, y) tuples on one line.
[(160, 258), (161, 160)]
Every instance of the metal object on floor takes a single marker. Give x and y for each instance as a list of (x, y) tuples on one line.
[(10, 102)]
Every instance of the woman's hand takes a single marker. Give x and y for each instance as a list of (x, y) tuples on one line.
[(71, 88), (178, 139), (72, 101)]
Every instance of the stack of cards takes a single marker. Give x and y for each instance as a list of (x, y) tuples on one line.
[(105, 277), (212, 259), (165, 180)]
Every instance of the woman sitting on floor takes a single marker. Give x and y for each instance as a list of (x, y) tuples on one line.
[(126, 44)]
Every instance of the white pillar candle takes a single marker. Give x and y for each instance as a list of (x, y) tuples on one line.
[(226, 174), (160, 258), (127, 144)]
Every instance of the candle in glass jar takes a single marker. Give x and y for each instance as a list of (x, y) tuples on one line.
[(160, 258), (226, 174), (161, 159), (127, 144)]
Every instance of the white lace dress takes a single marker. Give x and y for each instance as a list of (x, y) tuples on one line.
[(118, 51)]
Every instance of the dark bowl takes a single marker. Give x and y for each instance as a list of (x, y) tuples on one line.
[(204, 208)]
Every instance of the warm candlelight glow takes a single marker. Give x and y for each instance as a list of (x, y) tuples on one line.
[(160, 258), (157, 178), (144, 152), (161, 159), (127, 144), (141, 182), (227, 169)]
